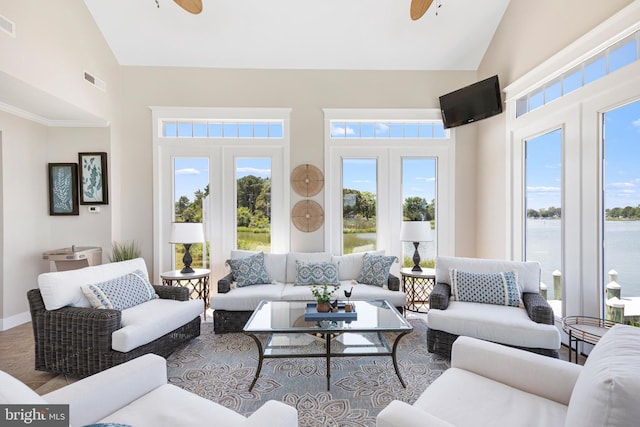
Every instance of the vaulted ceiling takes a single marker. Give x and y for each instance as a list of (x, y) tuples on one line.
[(300, 34)]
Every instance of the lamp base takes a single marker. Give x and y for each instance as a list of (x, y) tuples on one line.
[(416, 258), (186, 260)]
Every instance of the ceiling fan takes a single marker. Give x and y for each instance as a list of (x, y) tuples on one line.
[(419, 7), (191, 6)]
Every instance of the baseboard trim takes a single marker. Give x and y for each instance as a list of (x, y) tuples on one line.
[(15, 320)]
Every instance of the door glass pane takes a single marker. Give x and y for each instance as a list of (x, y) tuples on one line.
[(253, 204), (419, 204), (359, 186), (191, 187), (622, 204), (543, 232)]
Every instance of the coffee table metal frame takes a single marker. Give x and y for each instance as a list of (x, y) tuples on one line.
[(327, 331)]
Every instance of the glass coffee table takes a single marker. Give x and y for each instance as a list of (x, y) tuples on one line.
[(287, 334)]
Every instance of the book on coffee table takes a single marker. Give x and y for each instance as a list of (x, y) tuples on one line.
[(311, 314)]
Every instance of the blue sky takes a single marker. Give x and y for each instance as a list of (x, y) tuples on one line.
[(622, 167)]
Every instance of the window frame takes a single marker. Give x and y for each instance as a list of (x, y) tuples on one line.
[(222, 181), (389, 153)]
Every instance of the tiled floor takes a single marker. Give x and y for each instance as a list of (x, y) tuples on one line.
[(17, 359)]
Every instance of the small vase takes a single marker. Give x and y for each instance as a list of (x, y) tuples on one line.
[(323, 307)]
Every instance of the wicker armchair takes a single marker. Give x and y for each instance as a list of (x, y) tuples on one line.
[(538, 310), (75, 340)]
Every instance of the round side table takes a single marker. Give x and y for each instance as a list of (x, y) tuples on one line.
[(584, 329), (418, 285), (198, 281)]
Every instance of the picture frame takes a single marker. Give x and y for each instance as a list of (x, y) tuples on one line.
[(93, 178), (63, 189)]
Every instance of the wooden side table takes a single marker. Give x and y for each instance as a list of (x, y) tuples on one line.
[(198, 281), (418, 285)]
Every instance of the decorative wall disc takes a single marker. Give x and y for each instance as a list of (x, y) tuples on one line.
[(307, 180), (307, 215)]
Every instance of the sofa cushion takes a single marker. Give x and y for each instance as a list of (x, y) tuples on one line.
[(375, 269), (316, 273), (63, 288), (305, 257), (350, 265), (249, 270), (247, 298), (120, 293), (13, 392), (528, 272), (488, 288), (502, 324), (146, 322), (275, 264), (607, 390)]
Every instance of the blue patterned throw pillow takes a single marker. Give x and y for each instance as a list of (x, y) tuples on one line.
[(316, 273), (375, 269), (120, 293), (249, 270), (487, 288)]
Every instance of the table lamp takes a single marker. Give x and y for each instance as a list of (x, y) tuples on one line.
[(416, 232), (186, 233)]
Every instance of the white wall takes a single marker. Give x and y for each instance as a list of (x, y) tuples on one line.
[(25, 223), (306, 93)]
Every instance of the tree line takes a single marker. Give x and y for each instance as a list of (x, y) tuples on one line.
[(254, 205), (626, 213)]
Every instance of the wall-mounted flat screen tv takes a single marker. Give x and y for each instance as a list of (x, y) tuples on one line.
[(471, 103)]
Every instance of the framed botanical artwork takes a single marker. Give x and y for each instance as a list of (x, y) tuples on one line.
[(93, 179), (63, 189)]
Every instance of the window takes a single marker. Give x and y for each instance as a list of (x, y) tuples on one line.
[(616, 56), (227, 168), (419, 204), (359, 212), (543, 229), (622, 200), (372, 181)]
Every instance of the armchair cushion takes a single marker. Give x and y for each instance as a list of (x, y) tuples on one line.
[(607, 390), (528, 272), (249, 270), (14, 391), (141, 324), (501, 324), (487, 288), (375, 269), (316, 273), (120, 293)]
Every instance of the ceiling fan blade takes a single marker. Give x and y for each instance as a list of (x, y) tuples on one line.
[(191, 6), (419, 7)]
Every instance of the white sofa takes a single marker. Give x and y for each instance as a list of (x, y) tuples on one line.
[(234, 305), (494, 385), (530, 326), (73, 337), (136, 393)]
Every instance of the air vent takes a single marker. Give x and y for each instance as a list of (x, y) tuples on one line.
[(7, 26), (100, 84)]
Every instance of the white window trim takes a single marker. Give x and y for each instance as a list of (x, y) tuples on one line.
[(221, 153), (579, 115), (389, 153)]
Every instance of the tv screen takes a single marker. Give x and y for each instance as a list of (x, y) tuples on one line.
[(471, 103)]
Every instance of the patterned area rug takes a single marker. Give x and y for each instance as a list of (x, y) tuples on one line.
[(221, 368)]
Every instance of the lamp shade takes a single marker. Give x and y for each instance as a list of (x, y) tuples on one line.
[(186, 232), (415, 231)]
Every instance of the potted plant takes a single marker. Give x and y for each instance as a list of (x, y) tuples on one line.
[(322, 293)]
